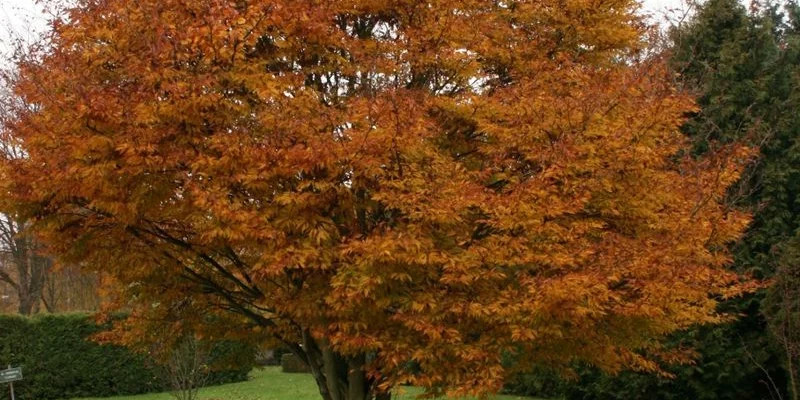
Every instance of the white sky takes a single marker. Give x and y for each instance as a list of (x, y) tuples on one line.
[(24, 19), (20, 20)]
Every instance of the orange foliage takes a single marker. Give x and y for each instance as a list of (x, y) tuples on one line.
[(438, 182)]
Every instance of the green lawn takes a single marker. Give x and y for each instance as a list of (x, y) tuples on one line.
[(271, 384)]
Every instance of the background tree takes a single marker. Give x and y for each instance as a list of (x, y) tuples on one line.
[(775, 241), (69, 289), (380, 185), (783, 309), (742, 64), (21, 266)]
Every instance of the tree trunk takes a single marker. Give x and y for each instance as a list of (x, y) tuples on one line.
[(47, 306), (310, 354), (356, 380), (25, 304), (383, 396), (332, 373), (336, 376), (32, 272)]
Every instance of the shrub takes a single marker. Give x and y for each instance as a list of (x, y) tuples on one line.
[(230, 361), (59, 362), (291, 363), (729, 368), (271, 356), (536, 384), (187, 368)]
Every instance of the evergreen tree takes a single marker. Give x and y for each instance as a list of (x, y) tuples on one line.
[(743, 66), (773, 242)]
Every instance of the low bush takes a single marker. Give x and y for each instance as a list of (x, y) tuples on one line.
[(59, 362), (542, 384), (735, 361), (230, 361), (291, 363)]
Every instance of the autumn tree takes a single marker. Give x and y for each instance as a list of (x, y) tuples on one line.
[(400, 191)]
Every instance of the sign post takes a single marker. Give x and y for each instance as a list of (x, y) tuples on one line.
[(9, 376)]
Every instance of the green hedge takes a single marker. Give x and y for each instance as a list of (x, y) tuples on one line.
[(729, 367), (230, 362), (542, 384), (59, 363), (290, 363)]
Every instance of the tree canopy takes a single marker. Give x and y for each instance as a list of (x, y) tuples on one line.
[(741, 63), (400, 191)]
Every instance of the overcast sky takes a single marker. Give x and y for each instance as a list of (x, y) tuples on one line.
[(24, 19), (20, 18)]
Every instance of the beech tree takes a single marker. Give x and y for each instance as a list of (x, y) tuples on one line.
[(399, 191)]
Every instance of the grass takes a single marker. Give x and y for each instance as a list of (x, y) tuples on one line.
[(272, 384)]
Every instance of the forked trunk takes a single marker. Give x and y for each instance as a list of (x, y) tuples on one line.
[(338, 377)]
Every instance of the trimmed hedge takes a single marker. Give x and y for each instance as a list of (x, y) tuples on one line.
[(290, 363), (58, 362)]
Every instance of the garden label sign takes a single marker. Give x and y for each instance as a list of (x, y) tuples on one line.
[(9, 376)]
